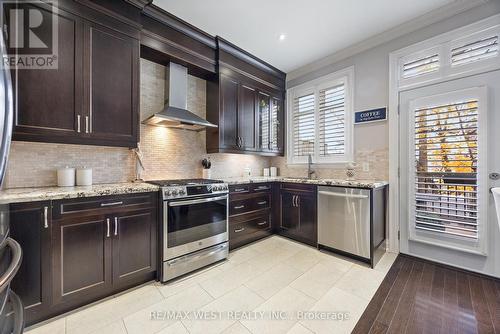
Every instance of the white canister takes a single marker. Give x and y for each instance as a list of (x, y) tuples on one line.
[(207, 173), (66, 177), (274, 171), (266, 172), (84, 176)]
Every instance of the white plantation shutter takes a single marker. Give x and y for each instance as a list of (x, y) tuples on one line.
[(477, 50), (303, 125), (446, 169), (420, 66), (321, 119), (332, 121)]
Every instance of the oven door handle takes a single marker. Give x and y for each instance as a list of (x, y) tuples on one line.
[(203, 255), (197, 201)]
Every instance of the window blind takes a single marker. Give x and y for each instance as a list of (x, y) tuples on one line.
[(332, 121), (303, 125), (475, 51), (274, 124), (446, 183), (420, 66)]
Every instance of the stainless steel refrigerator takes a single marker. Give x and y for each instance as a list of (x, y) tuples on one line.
[(11, 308)]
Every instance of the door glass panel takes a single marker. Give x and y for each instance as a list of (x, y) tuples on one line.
[(275, 123), (264, 109), (192, 222)]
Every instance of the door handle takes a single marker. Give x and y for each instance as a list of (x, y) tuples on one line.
[(78, 123), (262, 203), (108, 230), (294, 201), (239, 207), (86, 124), (116, 226), (46, 217)]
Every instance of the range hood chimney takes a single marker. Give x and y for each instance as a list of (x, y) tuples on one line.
[(175, 113)]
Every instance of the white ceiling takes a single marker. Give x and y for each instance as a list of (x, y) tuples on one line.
[(314, 28)]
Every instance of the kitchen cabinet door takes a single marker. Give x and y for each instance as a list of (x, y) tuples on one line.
[(276, 136), (264, 114), (81, 259), (290, 218), (111, 86), (48, 102), (30, 225), (134, 246), (308, 230), (247, 118), (229, 113)]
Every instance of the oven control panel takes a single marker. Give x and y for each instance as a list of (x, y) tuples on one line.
[(194, 190)]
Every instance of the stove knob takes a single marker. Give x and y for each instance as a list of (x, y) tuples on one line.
[(215, 188), (168, 193), (174, 192), (182, 192)]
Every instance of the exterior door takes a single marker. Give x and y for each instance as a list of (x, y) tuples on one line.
[(448, 147)]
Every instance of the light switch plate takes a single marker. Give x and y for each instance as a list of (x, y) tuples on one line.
[(366, 166)]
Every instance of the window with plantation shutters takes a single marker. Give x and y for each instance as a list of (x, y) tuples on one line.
[(420, 66), (446, 151), (474, 51), (303, 125), (332, 121), (321, 120)]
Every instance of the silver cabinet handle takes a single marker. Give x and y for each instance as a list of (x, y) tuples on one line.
[(293, 200), (262, 203), (111, 204), (262, 188), (239, 230), (116, 226), (197, 201), (86, 124), (239, 207), (78, 123), (46, 217), (329, 193), (239, 190), (108, 230), (263, 223)]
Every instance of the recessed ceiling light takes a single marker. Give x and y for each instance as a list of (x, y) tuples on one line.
[(282, 37)]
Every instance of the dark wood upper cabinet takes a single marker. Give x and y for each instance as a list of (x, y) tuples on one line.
[(251, 120), (92, 96), (247, 114), (30, 226), (112, 68), (229, 113), (48, 102)]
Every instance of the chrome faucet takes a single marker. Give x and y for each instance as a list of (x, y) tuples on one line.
[(310, 171)]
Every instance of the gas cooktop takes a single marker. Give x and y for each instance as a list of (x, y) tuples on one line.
[(183, 182)]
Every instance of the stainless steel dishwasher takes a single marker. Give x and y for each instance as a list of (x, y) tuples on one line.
[(344, 220)]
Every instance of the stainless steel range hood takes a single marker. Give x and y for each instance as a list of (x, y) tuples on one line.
[(175, 113)]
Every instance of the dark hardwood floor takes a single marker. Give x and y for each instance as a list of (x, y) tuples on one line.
[(417, 296)]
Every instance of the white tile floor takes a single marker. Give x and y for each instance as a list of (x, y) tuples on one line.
[(273, 277)]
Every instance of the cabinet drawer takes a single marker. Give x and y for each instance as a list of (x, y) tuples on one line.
[(102, 205), (257, 224), (260, 187), (299, 187), (239, 188), (262, 202), (240, 206)]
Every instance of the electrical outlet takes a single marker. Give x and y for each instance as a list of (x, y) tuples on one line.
[(366, 166)]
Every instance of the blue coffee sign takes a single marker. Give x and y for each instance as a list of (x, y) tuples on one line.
[(379, 114)]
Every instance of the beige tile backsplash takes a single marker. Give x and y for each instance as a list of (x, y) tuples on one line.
[(168, 153)]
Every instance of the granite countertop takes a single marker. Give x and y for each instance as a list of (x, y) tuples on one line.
[(19, 195), (357, 183)]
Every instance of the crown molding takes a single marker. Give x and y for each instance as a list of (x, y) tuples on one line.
[(422, 21)]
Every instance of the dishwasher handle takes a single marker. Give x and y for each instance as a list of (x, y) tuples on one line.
[(329, 193)]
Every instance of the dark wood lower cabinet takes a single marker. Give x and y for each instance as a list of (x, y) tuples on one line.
[(79, 251), (32, 282), (81, 264), (298, 213), (134, 246)]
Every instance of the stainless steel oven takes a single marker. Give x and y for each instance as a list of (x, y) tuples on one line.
[(195, 225)]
